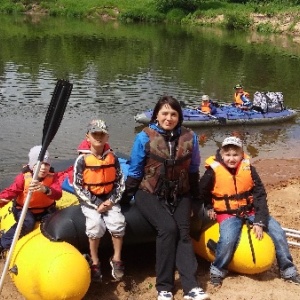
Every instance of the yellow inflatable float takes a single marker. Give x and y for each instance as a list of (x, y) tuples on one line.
[(242, 261), (46, 270)]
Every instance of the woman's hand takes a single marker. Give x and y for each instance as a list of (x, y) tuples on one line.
[(211, 214), (258, 231)]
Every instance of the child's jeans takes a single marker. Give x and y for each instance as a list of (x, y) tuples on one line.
[(229, 236), (28, 225)]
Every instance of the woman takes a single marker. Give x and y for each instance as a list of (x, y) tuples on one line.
[(163, 176)]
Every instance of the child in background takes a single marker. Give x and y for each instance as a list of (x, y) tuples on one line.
[(207, 106), (99, 184), (45, 191), (241, 98), (232, 190)]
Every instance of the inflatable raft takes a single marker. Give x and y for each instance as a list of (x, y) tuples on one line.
[(69, 225), (42, 269), (226, 115), (54, 250)]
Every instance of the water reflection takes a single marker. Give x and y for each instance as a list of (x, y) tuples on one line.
[(119, 70)]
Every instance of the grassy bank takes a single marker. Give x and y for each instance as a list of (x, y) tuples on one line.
[(279, 16)]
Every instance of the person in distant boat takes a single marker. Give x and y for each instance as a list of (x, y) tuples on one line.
[(163, 177), (99, 183), (234, 194), (45, 191), (241, 97), (207, 106)]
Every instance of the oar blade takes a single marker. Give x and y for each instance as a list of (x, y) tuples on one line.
[(55, 113), (52, 122)]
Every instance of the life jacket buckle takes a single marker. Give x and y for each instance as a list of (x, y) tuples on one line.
[(169, 162)]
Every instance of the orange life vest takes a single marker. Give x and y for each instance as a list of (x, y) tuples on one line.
[(205, 107), (161, 168), (38, 201), (99, 174), (237, 98), (231, 192)]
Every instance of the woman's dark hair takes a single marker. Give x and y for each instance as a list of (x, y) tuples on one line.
[(170, 101)]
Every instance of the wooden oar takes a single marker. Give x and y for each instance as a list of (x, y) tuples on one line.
[(221, 120), (52, 122)]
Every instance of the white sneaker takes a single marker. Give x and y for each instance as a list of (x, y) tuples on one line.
[(196, 294), (164, 295)]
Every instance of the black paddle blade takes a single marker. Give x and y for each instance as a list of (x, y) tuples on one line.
[(53, 103), (182, 104), (55, 113), (222, 120)]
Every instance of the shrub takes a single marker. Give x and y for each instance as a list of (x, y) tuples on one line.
[(166, 5), (237, 21)]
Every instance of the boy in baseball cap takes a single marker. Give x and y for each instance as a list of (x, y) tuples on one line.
[(232, 191), (99, 185)]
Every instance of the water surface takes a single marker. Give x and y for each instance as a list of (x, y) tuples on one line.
[(119, 70)]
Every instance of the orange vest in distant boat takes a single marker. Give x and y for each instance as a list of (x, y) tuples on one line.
[(231, 192), (99, 174), (238, 100), (205, 107), (38, 201)]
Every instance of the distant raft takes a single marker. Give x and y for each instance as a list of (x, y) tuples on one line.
[(226, 115)]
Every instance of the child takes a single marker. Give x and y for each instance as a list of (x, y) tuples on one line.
[(206, 106), (99, 184), (241, 98), (46, 190), (232, 191)]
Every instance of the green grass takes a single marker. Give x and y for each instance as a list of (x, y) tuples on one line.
[(236, 16)]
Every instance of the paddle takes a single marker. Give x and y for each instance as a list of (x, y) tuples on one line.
[(52, 122), (221, 120)]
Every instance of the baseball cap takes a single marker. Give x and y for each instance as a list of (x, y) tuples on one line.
[(232, 140), (238, 86), (33, 156), (97, 126), (205, 98)]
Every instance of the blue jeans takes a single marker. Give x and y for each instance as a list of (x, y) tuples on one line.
[(229, 236), (28, 225)]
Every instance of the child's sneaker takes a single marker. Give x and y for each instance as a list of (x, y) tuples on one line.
[(164, 295), (88, 259), (196, 294), (3, 252), (96, 273), (294, 279), (117, 269), (216, 280)]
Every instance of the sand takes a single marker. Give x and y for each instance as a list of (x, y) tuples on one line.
[(281, 178)]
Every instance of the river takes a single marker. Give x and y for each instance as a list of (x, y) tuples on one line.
[(118, 70)]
